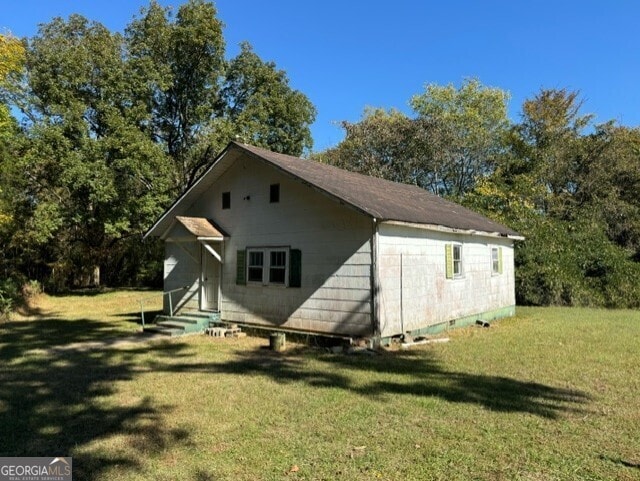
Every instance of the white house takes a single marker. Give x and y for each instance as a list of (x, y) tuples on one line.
[(273, 240)]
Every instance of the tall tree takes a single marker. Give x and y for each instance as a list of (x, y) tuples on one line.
[(547, 147), (12, 58), (264, 110), (182, 61), (199, 102), (88, 177), (12, 53), (472, 121), (452, 142), (114, 126), (390, 145)]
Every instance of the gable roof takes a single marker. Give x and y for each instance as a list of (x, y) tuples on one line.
[(381, 199)]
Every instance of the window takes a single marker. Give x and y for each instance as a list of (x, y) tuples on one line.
[(277, 267), (496, 260), (453, 261), (274, 193), (226, 200), (457, 260), (256, 266), (268, 265)]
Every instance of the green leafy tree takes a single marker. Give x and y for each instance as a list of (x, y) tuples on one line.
[(114, 126), (258, 101), (574, 196), (12, 55), (472, 121), (88, 177), (451, 144), (180, 62), (199, 102), (383, 144)]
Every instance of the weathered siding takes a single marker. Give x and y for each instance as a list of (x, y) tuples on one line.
[(182, 268), (414, 291), (335, 242)]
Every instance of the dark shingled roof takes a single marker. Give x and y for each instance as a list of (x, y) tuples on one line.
[(379, 198)]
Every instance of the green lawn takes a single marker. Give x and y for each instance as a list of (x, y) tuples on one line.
[(551, 394)]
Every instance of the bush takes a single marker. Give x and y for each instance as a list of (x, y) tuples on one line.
[(9, 296), (574, 264)]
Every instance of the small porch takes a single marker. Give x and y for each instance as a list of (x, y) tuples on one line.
[(192, 276)]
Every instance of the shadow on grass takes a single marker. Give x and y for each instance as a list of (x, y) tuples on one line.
[(621, 462), (20, 337), (136, 318), (56, 403), (403, 373)]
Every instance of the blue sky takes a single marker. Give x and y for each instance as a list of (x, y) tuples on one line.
[(347, 55)]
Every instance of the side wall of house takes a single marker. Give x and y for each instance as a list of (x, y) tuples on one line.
[(334, 241), (414, 292), (182, 269)]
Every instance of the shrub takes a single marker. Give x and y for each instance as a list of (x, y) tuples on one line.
[(9, 296)]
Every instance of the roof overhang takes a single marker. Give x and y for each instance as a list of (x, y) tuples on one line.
[(450, 230)]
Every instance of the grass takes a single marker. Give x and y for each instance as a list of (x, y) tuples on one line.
[(552, 394)]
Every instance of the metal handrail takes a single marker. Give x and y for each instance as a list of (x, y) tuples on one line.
[(169, 293)]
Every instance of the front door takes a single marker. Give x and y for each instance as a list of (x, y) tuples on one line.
[(210, 281)]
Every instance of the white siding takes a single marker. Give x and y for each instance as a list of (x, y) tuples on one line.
[(182, 268), (335, 242), (414, 259)]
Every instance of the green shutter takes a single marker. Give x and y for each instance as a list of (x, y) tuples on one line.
[(295, 268), (499, 260), (448, 257), (241, 268)]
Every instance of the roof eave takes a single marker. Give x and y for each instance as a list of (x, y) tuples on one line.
[(178, 201), (452, 230)]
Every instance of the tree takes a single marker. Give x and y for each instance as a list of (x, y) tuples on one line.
[(472, 121), (12, 58), (262, 107), (574, 196), (88, 176), (199, 102), (452, 142), (182, 62), (547, 147), (381, 145)]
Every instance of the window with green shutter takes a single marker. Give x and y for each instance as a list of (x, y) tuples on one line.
[(453, 260), (448, 257), (241, 262), (295, 270), (269, 266)]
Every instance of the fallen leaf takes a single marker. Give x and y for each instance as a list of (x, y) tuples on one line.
[(294, 469)]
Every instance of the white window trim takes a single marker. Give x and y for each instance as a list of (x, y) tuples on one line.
[(459, 275), (495, 268), (266, 266)]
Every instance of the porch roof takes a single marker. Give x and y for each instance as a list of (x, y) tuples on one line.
[(201, 227)]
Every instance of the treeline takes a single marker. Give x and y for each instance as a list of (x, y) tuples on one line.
[(101, 130), (570, 186)]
